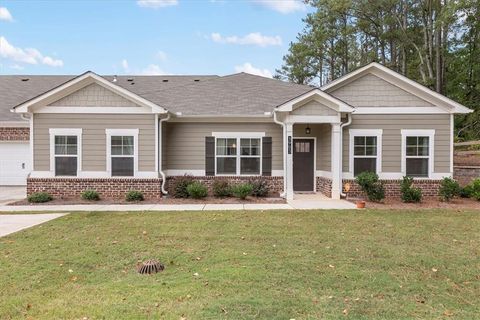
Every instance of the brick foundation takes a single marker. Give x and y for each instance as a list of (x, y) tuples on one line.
[(324, 185), (14, 134), (466, 174), (275, 184), (108, 188), (392, 188)]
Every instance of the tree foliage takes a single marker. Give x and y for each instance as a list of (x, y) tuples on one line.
[(435, 42)]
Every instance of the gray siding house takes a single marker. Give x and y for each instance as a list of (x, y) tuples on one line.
[(65, 134)]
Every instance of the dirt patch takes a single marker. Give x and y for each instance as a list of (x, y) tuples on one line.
[(458, 203), (167, 200)]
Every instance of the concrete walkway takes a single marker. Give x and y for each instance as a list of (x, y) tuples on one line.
[(12, 193), (10, 223)]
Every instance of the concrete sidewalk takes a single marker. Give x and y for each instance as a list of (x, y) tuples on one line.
[(295, 204), (10, 223)]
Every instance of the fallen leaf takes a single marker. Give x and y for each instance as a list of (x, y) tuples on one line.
[(434, 269), (331, 266), (448, 313), (345, 311), (196, 274), (70, 270), (144, 232)]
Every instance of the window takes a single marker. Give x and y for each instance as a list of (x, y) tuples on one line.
[(417, 158), (237, 155), (65, 151), (122, 154), (365, 150), (66, 155)]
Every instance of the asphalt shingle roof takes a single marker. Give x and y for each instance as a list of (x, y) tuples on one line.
[(237, 94)]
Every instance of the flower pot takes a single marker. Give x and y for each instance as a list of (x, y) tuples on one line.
[(360, 204)]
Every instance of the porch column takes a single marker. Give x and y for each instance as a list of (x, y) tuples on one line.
[(336, 162), (289, 167)]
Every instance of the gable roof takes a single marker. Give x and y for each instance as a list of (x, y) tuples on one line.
[(316, 94), (400, 81)]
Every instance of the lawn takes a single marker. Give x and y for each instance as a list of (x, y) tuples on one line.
[(246, 265)]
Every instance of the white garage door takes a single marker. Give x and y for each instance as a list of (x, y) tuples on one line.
[(14, 163)]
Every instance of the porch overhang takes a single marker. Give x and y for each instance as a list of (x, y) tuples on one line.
[(318, 95)]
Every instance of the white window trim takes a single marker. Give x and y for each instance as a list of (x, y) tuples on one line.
[(122, 132), (65, 132), (430, 133), (238, 136), (366, 133)]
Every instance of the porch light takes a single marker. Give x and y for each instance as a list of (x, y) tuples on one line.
[(307, 129)]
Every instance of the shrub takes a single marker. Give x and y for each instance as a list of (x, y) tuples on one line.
[(134, 195), (90, 195), (467, 191), (39, 197), (221, 189), (474, 187), (369, 183), (410, 193), (197, 190), (179, 188), (259, 187), (449, 189), (242, 191)]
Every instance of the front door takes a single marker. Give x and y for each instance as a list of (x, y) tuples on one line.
[(303, 164)]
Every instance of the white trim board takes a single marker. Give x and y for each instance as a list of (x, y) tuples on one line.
[(322, 97), (87, 109)]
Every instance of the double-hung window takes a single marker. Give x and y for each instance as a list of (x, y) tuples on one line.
[(238, 155), (365, 148), (417, 149), (65, 151), (122, 145)]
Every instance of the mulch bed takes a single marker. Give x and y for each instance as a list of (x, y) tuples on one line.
[(166, 200), (458, 203)]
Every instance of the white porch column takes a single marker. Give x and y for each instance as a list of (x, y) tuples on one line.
[(336, 162), (289, 167)]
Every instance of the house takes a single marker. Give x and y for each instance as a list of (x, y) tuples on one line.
[(65, 134)]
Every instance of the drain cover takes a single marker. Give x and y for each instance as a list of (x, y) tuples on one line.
[(150, 266)]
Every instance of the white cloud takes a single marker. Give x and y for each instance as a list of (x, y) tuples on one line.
[(125, 65), (27, 55), (156, 4), (5, 14), (162, 56), (282, 6), (248, 68), (255, 38), (152, 70), (16, 67)]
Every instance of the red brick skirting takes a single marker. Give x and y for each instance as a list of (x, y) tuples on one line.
[(324, 185), (275, 184), (392, 188), (108, 187), (14, 134), (466, 174)]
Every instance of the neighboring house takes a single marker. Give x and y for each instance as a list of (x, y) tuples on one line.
[(113, 134)]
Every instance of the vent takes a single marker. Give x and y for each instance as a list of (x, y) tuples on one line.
[(197, 80), (150, 266), (165, 80), (25, 79), (130, 79)]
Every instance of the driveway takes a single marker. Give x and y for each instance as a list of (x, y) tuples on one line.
[(10, 223), (13, 193)]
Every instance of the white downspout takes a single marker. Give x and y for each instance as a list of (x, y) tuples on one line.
[(160, 155), (283, 194), (349, 121)]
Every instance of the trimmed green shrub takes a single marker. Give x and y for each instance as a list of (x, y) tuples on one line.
[(474, 187), (180, 184), (259, 187), (91, 195), (197, 190), (466, 192), (449, 189), (370, 184), (134, 195), (39, 197), (410, 193), (242, 191), (221, 189)]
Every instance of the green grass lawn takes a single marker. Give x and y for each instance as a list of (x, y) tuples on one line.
[(246, 265)]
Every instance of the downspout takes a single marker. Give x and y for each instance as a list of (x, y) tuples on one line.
[(160, 146), (283, 194), (349, 121)]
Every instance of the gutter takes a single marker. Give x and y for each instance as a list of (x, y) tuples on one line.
[(349, 121), (160, 145), (283, 194)]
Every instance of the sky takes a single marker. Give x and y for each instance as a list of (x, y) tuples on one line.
[(147, 36)]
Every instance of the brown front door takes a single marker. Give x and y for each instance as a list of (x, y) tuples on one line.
[(303, 163)]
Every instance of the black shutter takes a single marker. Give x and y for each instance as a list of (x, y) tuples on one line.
[(266, 156), (209, 156)]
